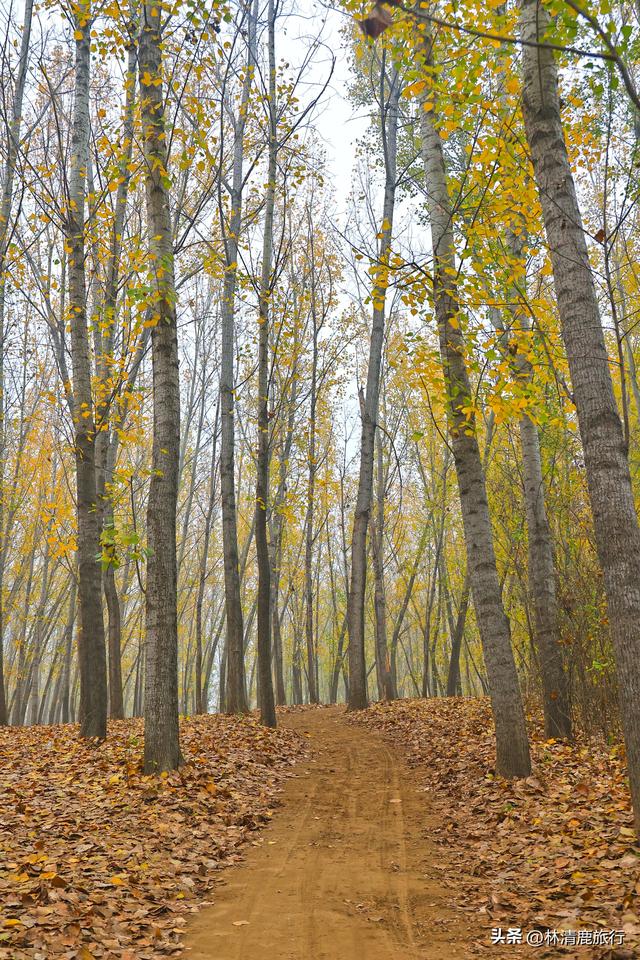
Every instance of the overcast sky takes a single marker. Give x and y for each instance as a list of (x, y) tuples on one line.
[(337, 122)]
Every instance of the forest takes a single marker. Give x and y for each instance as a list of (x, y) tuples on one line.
[(319, 478)]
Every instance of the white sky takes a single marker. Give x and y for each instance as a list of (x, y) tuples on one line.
[(337, 121)]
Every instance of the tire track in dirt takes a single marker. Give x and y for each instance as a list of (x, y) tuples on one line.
[(344, 872)]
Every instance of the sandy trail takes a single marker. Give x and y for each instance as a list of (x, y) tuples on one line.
[(346, 870)]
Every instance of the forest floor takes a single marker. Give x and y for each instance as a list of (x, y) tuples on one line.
[(552, 857), (381, 835), (347, 869), (98, 860), (397, 840)]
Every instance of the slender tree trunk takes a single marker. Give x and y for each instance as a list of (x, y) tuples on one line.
[(5, 216), (541, 561), (431, 596), (512, 745), (208, 667), (339, 663), (136, 710), (68, 650), (627, 328), (605, 454), (311, 493), (39, 635), (92, 654), (200, 704), (114, 633), (453, 676), (338, 660), (17, 713), (235, 683), (542, 586), (265, 680), (110, 456), (437, 686), (386, 685), (47, 700), (277, 523), (296, 670), (222, 683), (104, 332), (162, 744), (541, 568), (358, 698), (405, 604), (55, 703)]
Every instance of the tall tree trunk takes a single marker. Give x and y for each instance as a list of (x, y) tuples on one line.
[(114, 634), (457, 634), (114, 604), (311, 493), (296, 669), (16, 708), (627, 328), (136, 709), (91, 640), (512, 745), (277, 524), (388, 105), (338, 665), (161, 742), (68, 650), (542, 587), (397, 627), (235, 683), (386, 686), (265, 680), (55, 701), (39, 633), (541, 561), (607, 469), (104, 332), (5, 233), (541, 568), (222, 683), (200, 703)]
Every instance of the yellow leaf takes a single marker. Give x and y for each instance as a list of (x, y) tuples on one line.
[(414, 88)]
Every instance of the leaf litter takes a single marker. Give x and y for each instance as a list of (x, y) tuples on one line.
[(555, 851), (99, 860)]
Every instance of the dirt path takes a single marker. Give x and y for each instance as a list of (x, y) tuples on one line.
[(345, 871)]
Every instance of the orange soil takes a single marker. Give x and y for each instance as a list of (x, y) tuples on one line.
[(346, 871)]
